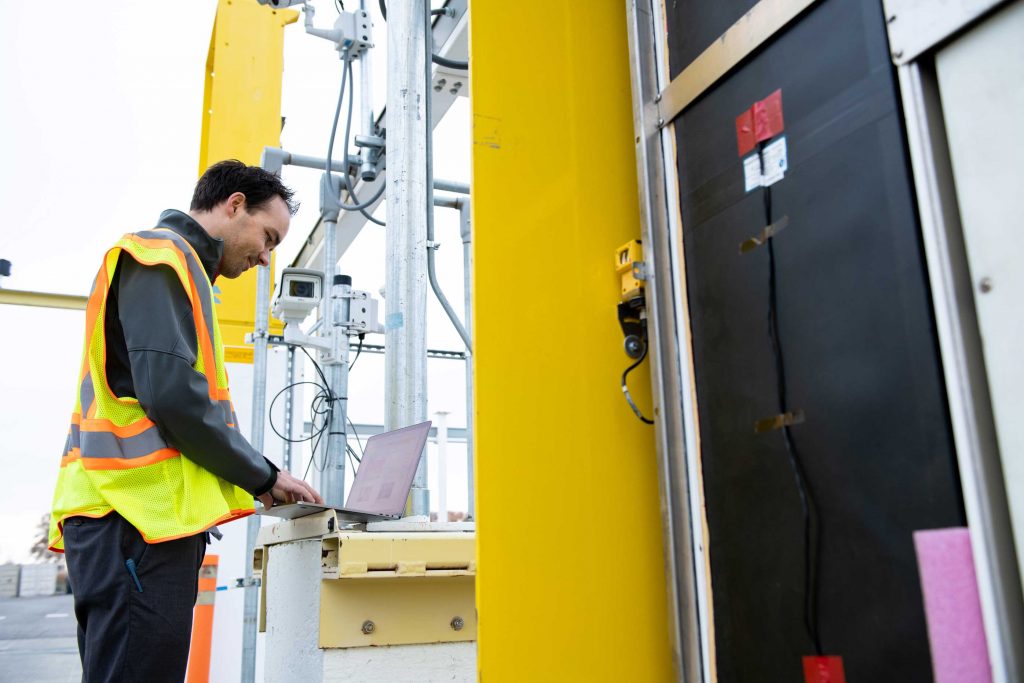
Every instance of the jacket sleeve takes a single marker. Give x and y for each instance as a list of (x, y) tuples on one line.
[(160, 335)]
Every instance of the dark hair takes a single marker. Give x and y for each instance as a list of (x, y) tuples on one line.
[(225, 178)]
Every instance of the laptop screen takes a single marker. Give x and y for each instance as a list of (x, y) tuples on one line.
[(385, 474)]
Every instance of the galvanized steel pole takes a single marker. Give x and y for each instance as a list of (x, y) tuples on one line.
[(331, 454), (259, 407), (465, 230), (409, 208)]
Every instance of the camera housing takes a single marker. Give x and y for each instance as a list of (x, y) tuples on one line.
[(301, 292)]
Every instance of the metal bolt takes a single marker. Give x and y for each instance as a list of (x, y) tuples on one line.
[(661, 123), (985, 285), (657, 98), (457, 623), (897, 54), (369, 627)]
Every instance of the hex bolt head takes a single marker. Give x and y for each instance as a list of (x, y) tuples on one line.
[(369, 627), (457, 623), (985, 285)]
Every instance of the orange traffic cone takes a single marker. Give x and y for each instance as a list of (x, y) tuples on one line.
[(202, 623)]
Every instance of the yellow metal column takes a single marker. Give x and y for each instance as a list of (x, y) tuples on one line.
[(571, 583), (242, 115)]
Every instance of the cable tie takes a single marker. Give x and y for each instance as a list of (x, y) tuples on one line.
[(775, 422), (763, 236)]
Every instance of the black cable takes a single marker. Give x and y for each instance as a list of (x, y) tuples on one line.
[(812, 528), (625, 389), (274, 401), (437, 59), (358, 440), (318, 400), (359, 350)]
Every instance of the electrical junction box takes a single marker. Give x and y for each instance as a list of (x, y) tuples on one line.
[(356, 31), (363, 316), (628, 261)]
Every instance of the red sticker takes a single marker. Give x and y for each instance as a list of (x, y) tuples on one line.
[(824, 670), (768, 117), (745, 132)]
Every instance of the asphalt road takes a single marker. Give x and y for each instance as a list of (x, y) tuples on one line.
[(37, 640)]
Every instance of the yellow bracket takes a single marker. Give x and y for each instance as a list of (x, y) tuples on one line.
[(397, 588), (628, 259)]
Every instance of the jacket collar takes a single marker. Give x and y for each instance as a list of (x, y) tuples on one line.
[(209, 249)]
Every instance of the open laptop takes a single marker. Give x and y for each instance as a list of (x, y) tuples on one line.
[(382, 481)]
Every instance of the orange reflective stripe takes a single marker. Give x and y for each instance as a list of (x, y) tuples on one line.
[(229, 516), (73, 455), (123, 464), (76, 418), (101, 425)]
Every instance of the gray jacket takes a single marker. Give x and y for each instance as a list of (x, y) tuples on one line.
[(151, 348)]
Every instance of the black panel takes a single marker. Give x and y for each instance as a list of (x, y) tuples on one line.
[(861, 358), (695, 24)]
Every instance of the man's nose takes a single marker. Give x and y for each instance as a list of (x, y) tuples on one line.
[(265, 257)]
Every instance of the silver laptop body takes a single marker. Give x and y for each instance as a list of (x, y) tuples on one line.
[(382, 483)]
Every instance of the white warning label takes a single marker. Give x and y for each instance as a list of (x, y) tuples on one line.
[(774, 162)]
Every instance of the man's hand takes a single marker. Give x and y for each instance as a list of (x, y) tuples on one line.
[(288, 489)]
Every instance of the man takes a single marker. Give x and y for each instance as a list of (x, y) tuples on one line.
[(154, 458)]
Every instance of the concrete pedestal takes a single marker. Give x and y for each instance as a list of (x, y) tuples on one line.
[(349, 606)]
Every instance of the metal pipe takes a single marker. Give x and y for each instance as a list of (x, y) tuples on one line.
[(465, 230), (332, 475), (447, 201), (442, 465), (337, 377), (259, 408), (366, 84), (16, 297), (289, 410), (320, 163), (432, 276), (409, 207), (451, 186)]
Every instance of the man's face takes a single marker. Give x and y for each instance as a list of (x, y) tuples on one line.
[(250, 236)]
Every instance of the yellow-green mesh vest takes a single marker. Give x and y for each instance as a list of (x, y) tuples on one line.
[(114, 457)]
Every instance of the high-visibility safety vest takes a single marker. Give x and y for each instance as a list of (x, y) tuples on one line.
[(114, 457)]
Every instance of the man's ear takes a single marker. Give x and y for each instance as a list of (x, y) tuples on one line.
[(235, 202)]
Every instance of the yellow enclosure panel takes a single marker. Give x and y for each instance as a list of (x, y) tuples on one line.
[(571, 583), (242, 115)]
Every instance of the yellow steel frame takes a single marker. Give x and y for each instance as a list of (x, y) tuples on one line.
[(16, 297), (242, 115), (570, 583)]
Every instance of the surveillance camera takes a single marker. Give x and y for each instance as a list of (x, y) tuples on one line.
[(301, 291), (280, 4)]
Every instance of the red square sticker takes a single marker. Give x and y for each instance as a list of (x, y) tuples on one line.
[(768, 117), (745, 132), (824, 670)]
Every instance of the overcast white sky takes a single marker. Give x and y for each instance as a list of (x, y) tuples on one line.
[(101, 113)]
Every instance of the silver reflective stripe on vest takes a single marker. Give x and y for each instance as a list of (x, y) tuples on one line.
[(85, 394), (74, 437), (109, 445)]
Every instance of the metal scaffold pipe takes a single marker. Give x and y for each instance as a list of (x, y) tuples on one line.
[(259, 403), (332, 447), (409, 209), (465, 231)]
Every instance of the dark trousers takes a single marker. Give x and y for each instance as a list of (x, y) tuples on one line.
[(128, 629)]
